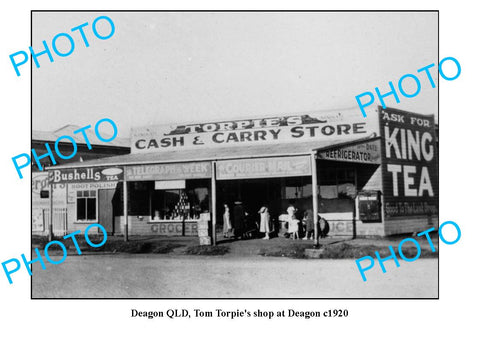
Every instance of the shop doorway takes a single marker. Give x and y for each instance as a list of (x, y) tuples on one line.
[(105, 209), (253, 193)]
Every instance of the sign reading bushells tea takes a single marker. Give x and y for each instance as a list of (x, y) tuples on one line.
[(409, 166), (88, 174), (338, 126)]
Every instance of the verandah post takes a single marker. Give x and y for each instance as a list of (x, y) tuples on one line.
[(125, 207), (314, 197)]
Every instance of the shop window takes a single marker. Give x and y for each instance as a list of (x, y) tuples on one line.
[(346, 182), (178, 204), (297, 188), (138, 198), (86, 205), (337, 182)]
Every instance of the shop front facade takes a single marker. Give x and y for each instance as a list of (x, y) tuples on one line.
[(342, 167), (41, 209)]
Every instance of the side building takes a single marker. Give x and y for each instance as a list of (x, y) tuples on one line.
[(40, 184), (373, 176)]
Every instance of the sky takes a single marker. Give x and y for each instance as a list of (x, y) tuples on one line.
[(180, 67)]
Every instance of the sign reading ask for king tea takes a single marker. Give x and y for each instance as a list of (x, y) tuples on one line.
[(409, 163)]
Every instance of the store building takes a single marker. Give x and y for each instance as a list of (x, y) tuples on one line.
[(366, 176), (40, 188)]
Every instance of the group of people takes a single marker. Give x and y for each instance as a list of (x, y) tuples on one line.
[(240, 229)]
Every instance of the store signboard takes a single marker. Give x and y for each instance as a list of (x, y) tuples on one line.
[(172, 184), (72, 188), (154, 172), (345, 125), (366, 153), (264, 167), (173, 228), (85, 175), (409, 163)]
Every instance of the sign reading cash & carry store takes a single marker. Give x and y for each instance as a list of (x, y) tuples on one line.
[(338, 126)]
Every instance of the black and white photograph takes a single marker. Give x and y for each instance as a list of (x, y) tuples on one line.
[(220, 156), (233, 170)]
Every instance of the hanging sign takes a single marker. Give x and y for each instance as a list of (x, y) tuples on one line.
[(367, 153), (172, 171), (88, 174)]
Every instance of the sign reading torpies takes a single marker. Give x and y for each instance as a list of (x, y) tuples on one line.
[(168, 171), (367, 152), (409, 166), (90, 174), (264, 167), (345, 125)]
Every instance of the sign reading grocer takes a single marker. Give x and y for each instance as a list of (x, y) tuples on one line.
[(345, 125)]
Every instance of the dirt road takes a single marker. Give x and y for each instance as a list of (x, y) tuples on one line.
[(173, 276)]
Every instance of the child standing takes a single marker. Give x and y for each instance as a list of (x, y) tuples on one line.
[(308, 221), (293, 227)]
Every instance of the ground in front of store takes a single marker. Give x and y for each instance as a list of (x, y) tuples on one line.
[(178, 267), (330, 247)]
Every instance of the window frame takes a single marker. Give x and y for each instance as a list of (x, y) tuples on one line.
[(337, 169), (96, 207), (186, 190)]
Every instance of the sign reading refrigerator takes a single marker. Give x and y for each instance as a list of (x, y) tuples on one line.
[(367, 152), (409, 166)]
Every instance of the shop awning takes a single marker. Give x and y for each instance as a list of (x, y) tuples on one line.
[(194, 155)]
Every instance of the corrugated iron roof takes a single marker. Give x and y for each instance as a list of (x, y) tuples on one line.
[(211, 154), (67, 130)]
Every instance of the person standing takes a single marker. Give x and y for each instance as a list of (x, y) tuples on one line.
[(291, 210), (324, 227), (308, 221), (293, 228), (238, 219), (265, 222), (227, 225)]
